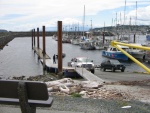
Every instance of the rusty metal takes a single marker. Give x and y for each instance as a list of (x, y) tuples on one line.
[(59, 46), (38, 45)]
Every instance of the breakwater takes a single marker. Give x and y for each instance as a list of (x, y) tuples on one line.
[(51, 33), (5, 38)]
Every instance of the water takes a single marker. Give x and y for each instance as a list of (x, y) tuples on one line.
[(18, 59)]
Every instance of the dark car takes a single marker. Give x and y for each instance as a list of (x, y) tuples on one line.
[(113, 65)]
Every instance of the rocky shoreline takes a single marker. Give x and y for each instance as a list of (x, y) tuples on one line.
[(86, 89)]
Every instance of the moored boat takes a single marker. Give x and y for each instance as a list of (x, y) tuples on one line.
[(114, 53), (148, 35), (99, 45), (137, 53)]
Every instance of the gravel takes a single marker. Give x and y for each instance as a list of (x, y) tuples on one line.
[(74, 104)]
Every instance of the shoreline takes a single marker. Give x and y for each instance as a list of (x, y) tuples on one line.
[(137, 90)]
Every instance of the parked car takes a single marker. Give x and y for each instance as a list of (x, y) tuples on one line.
[(113, 65), (83, 62)]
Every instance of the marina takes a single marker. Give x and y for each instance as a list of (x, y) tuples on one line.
[(52, 67), (91, 61), (18, 57)]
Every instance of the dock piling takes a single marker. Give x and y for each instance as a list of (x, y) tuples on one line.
[(38, 46), (44, 52), (60, 48), (34, 37)]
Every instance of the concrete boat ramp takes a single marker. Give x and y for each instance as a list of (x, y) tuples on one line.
[(88, 75)]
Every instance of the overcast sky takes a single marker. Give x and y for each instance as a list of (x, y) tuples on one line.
[(24, 15)]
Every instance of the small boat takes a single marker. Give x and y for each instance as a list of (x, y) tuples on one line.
[(137, 53), (114, 53), (87, 45), (148, 35), (63, 55), (75, 41), (99, 45)]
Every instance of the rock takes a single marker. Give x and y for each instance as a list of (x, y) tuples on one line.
[(90, 84)]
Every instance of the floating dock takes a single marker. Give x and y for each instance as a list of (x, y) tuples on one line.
[(39, 52), (54, 67), (81, 71)]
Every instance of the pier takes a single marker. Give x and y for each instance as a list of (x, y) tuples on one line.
[(58, 68)]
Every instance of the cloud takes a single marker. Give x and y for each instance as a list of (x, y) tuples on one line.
[(28, 14)]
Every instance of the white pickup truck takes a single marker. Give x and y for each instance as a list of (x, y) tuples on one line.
[(82, 62)]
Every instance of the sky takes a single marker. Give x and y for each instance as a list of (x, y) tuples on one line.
[(24, 15)]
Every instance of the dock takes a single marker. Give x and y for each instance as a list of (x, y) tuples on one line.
[(39, 52), (56, 68), (81, 71)]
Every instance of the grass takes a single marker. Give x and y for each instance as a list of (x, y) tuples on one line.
[(76, 95)]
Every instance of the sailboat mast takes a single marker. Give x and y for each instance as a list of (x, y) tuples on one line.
[(136, 13), (83, 19)]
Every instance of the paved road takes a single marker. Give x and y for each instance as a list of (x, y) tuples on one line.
[(120, 76)]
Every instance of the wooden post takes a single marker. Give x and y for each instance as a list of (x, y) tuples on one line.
[(103, 37), (44, 62), (59, 47), (38, 46), (44, 51), (134, 38), (32, 38)]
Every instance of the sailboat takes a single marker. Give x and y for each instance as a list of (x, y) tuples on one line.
[(86, 43)]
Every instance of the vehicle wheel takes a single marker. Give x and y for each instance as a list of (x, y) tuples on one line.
[(113, 69), (122, 70), (92, 71), (104, 69)]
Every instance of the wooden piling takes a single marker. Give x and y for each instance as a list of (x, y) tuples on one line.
[(59, 46), (103, 37), (134, 38), (44, 51), (38, 45), (34, 37)]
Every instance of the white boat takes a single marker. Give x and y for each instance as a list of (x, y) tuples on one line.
[(137, 53), (75, 41), (87, 45), (99, 45)]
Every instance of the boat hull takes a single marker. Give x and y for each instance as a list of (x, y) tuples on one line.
[(115, 55), (140, 56), (148, 37)]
